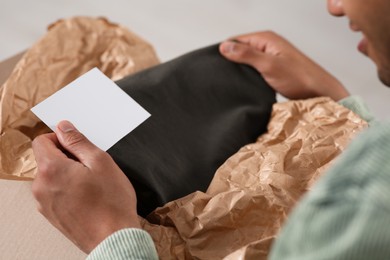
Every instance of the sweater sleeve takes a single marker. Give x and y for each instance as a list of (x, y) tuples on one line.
[(346, 215), (358, 106), (126, 244)]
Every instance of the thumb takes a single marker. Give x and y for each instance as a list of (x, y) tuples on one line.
[(242, 53), (75, 142)]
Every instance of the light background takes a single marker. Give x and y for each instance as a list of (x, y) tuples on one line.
[(178, 26)]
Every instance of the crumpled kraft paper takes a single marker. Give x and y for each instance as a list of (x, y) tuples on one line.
[(70, 48), (253, 192)]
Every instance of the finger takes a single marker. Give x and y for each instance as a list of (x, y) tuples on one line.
[(259, 40), (50, 160), (46, 148), (243, 53), (76, 143)]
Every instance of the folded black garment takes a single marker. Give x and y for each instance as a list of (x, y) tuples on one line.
[(203, 108)]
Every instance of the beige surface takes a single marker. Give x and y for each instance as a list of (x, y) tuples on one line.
[(24, 232)]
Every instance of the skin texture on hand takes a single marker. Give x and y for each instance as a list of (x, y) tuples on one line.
[(284, 67), (80, 189)]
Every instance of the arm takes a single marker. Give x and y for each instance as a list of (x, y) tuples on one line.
[(284, 67), (84, 194)]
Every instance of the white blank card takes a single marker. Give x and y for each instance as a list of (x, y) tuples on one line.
[(96, 106)]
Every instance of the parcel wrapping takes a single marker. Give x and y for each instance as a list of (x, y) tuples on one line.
[(251, 194), (70, 48)]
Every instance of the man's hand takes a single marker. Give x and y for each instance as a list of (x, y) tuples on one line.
[(284, 67), (85, 195)]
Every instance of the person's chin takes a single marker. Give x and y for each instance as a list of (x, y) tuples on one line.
[(383, 66), (384, 76)]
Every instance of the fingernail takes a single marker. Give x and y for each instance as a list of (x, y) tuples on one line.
[(228, 47), (66, 126)]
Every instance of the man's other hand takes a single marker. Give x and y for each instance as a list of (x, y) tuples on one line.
[(290, 72)]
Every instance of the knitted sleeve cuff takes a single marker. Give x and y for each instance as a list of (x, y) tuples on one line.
[(130, 243), (358, 106)]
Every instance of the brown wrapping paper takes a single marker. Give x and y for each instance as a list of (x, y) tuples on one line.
[(70, 48), (251, 194), (253, 191)]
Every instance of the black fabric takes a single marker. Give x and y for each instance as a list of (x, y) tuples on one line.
[(204, 109)]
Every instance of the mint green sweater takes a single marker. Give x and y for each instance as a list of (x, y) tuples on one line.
[(345, 216)]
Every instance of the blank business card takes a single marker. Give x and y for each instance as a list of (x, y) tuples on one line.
[(97, 107)]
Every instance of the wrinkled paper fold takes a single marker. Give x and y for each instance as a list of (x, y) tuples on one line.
[(252, 193), (70, 48)]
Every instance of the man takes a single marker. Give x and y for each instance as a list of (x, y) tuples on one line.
[(345, 216)]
